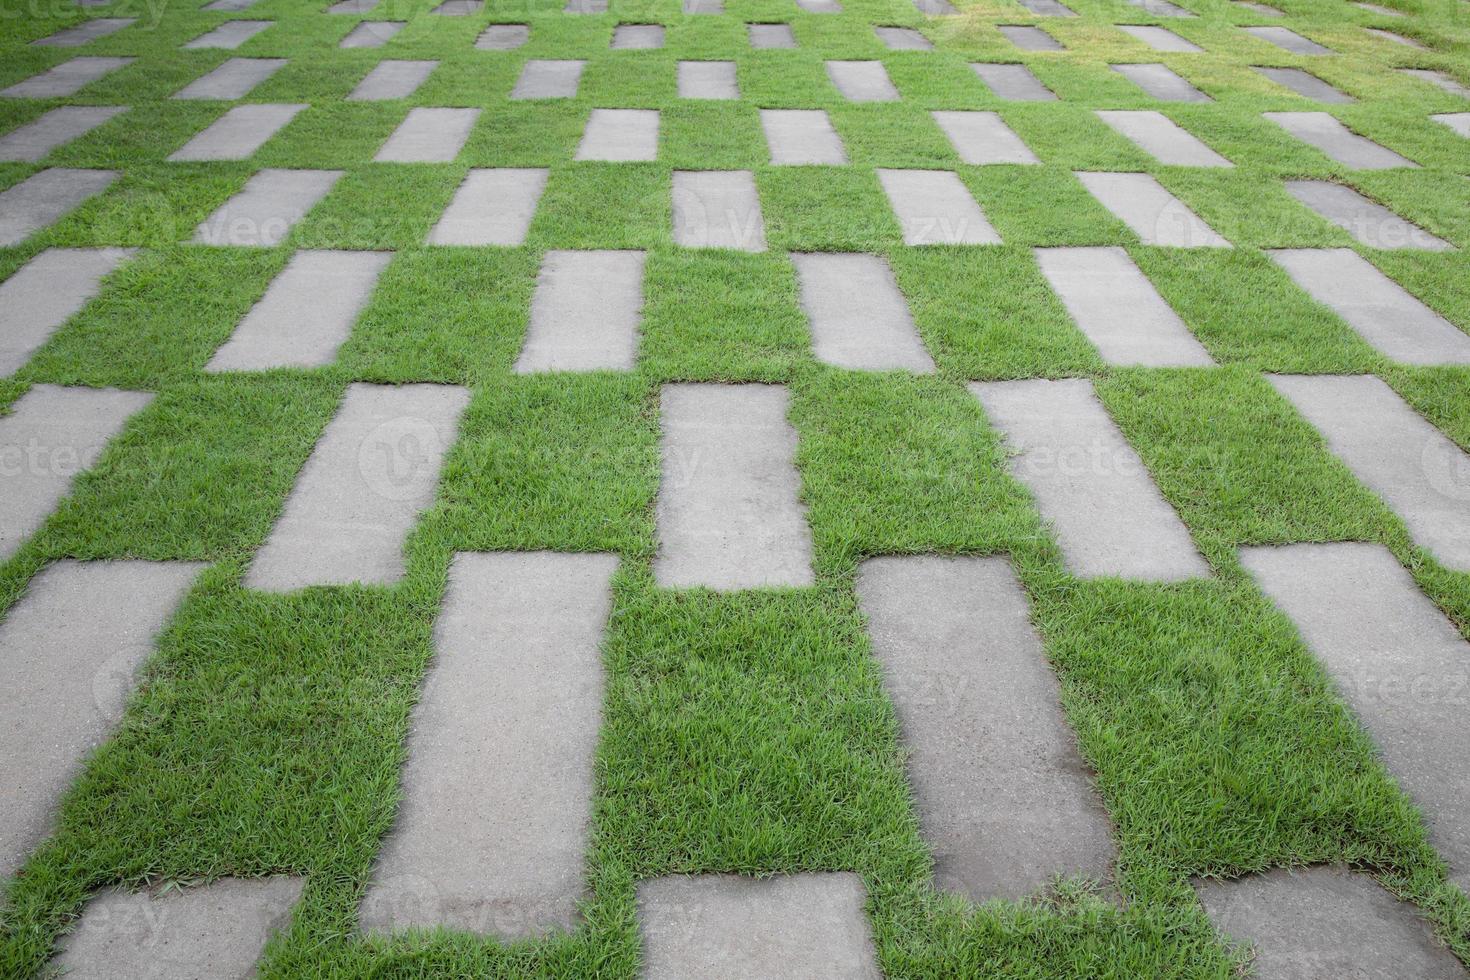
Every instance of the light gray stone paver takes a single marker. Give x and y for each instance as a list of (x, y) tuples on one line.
[(1385, 314), (70, 650), (771, 36), (67, 78), (1286, 40), (45, 293), (903, 39), (935, 8), (858, 317), (1047, 8), (217, 930), (1258, 8), (1311, 923), (1160, 82), (238, 133), (497, 791), (1161, 8), (491, 207), (359, 495), (585, 7), (1368, 221), (1375, 8), (1115, 305), (353, 6), (548, 80), (89, 30), (503, 37), (230, 35), (50, 435), (708, 80), (1324, 132), (429, 135), (935, 208), (1438, 79), (791, 927), (635, 37), (33, 141), (982, 137), (862, 81), (1393, 38), (703, 6), (1305, 84), (232, 80), (718, 209), (585, 313), (1418, 471), (1109, 518), (1155, 216), (265, 210), (372, 33), (620, 135), (820, 6), (1013, 82), (1029, 38), (1005, 800), (306, 314), (1458, 121), (44, 198), (801, 136), (1161, 138), (1159, 38), (392, 79), (729, 512), (458, 8), (1398, 662), (229, 6)]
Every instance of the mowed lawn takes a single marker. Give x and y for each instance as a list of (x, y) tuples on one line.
[(742, 732)]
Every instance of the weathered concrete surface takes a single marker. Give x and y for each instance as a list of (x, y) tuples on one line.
[(1458, 121), (232, 80), (1159, 38), (1258, 8), (982, 137), (903, 39), (1286, 40), (820, 6), (353, 6), (503, 37), (637, 36), (548, 80), (935, 208), (429, 135), (44, 198), (862, 81), (858, 318), (1156, 216), (265, 210), (1305, 84), (708, 80), (87, 30), (238, 133), (585, 7), (935, 8), (31, 142), (1399, 39), (1438, 79), (801, 136), (1323, 131), (585, 313), (491, 207), (67, 78), (1368, 221), (1013, 82), (230, 35), (771, 36), (1029, 38), (620, 135), (1161, 8), (491, 834), (458, 8), (391, 79), (718, 209), (1048, 8), (1159, 136), (1160, 82), (45, 293)]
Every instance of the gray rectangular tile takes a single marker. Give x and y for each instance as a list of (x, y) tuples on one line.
[(585, 313), (859, 319), (491, 207)]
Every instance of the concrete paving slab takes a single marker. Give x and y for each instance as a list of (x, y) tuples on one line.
[(791, 927), (1310, 923), (238, 133), (50, 435), (1258, 8), (1013, 82), (620, 135), (862, 81), (458, 8), (429, 135), (1382, 312), (1005, 800), (67, 78), (1305, 84), (1161, 82), (982, 137), (392, 79), (858, 317), (585, 313), (491, 207), (708, 80), (1161, 138), (372, 33), (1286, 40), (1368, 221), (1438, 79), (306, 314), (637, 37), (801, 136), (935, 8), (1156, 216), (1398, 39), (935, 208), (34, 141), (729, 512), (45, 293), (1115, 305), (1159, 38), (820, 6), (703, 6), (903, 39), (218, 930), (70, 651), (353, 6), (1109, 518), (718, 209), (229, 6), (585, 7), (1047, 8), (491, 835), (1323, 131), (1029, 38), (771, 36), (360, 493), (232, 80), (265, 210), (1458, 121), (1417, 470), (44, 198), (1161, 8), (548, 80), (229, 35), (87, 30), (503, 37), (1380, 10), (1395, 658)]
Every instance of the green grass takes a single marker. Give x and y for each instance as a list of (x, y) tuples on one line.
[(745, 732)]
